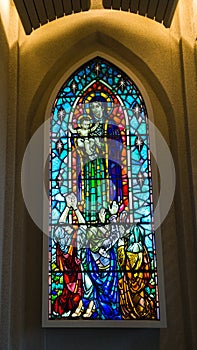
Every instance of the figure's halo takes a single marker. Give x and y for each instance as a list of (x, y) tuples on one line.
[(81, 117)]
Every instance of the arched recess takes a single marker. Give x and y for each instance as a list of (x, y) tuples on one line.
[(72, 58), (63, 144), (101, 44)]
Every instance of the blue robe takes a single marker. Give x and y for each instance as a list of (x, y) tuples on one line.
[(105, 292)]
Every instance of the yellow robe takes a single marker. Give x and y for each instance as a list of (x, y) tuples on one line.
[(134, 301)]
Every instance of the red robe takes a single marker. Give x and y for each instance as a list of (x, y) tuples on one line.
[(69, 264)]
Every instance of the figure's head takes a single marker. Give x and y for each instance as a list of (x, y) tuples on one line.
[(85, 123), (113, 208), (96, 109), (102, 215), (68, 229)]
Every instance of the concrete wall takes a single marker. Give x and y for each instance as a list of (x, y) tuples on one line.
[(8, 116), (4, 49), (162, 61)]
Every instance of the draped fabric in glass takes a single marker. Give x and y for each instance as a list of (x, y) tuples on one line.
[(102, 259)]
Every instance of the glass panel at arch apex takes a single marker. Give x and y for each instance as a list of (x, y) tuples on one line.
[(102, 259)]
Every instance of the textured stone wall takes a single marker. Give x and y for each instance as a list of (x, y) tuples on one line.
[(162, 62)]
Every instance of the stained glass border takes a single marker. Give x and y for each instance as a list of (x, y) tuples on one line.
[(107, 323)]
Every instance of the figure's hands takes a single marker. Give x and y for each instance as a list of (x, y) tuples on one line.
[(70, 127), (102, 214), (113, 208), (121, 231), (103, 252), (71, 201), (123, 216)]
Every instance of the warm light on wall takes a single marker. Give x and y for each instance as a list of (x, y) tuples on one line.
[(195, 17), (9, 21), (5, 12)]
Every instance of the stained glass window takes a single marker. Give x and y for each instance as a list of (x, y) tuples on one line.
[(102, 258)]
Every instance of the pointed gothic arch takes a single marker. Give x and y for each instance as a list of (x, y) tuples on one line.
[(101, 183)]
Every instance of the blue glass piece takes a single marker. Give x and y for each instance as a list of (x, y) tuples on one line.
[(53, 285), (126, 104), (54, 175), (56, 164), (130, 99), (145, 188), (53, 144), (56, 128), (134, 122), (147, 218), (60, 101), (144, 153), (64, 126), (53, 184), (135, 154), (80, 87), (87, 71), (54, 121), (143, 211), (144, 196), (148, 242), (81, 73), (144, 167), (110, 71), (147, 228), (67, 89), (135, 169), (63, 154), (133, 138), (55, 214), (138, 101), (142, 129), (135, 205), (54, 192), (64, 190), (67, 108), (53, 250), (136, 215), (110, 81), (58, 197)]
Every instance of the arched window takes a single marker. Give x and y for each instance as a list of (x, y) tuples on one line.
[(102, 258)]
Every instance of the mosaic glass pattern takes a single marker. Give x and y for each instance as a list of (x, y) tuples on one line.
[(102, 259)]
